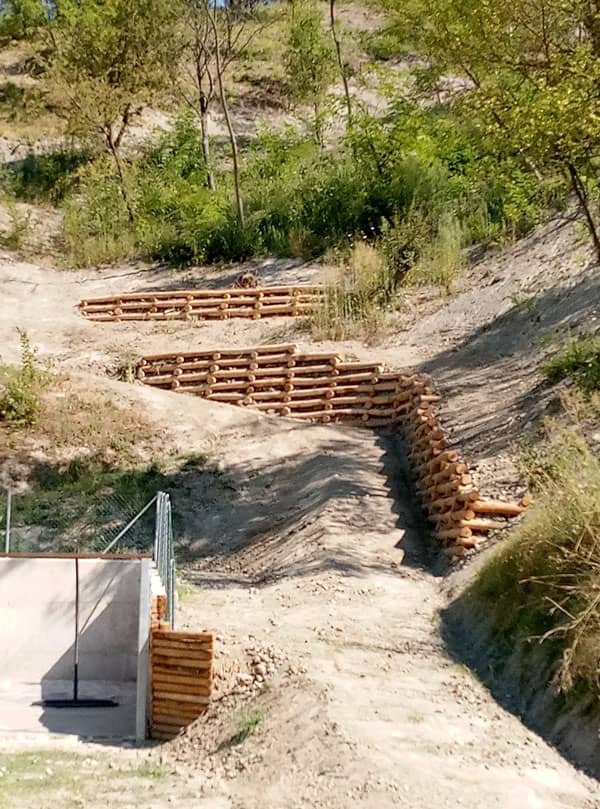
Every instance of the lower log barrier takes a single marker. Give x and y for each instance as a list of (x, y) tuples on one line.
[(181, 674), (326, 388)]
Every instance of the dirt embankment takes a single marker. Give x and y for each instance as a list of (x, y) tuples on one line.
[(307, 542)]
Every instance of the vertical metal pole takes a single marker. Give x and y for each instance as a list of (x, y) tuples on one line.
[(76, 662), (171, 593), (8, 519), (143, 661)]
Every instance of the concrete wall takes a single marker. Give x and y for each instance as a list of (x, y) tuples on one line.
[(37, 618)]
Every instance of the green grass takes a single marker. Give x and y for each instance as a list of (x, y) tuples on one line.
[(578, 360), (248, 722), (46, 779), (541, 588), (82, 505)]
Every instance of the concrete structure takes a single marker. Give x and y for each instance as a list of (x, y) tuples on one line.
[(37, 634)]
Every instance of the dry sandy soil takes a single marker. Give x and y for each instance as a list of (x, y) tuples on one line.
[(308, 544)]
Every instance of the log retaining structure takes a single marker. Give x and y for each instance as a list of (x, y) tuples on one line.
[(181, 666), (181, 674), (281, 380), (205, 304)]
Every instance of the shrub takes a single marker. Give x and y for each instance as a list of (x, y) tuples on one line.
[(416, 182), (19, 230), (21, 389), (356, 298), (578, 359), (44, 178), (96, 225), (541, 587), (19, 18)]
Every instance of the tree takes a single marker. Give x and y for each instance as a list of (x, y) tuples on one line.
[(220, 69), (533, 70), (310, 61), (109, 59), (20, 18), (340, 59), (235, 28)]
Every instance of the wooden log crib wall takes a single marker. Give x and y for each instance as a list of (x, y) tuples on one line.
[(323, 387)]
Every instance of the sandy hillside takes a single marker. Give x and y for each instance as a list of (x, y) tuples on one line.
[(308, 557)]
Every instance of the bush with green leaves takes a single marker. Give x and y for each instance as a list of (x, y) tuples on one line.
[(20, 388), (417, 182), (20, 18), (579, 359), (46, 178)]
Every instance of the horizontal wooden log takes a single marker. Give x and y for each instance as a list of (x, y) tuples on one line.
[(175, 661), (453, 533), (184, 638), (447, 517), (199, 293), (202, 679), (172, 722), (162, 736), (497, 507), (169, 684), (178, 696), (484, 525), (219, 353), (199, 651), (173, 708)]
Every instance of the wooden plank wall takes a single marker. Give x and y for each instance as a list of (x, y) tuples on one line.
[(181, 673)]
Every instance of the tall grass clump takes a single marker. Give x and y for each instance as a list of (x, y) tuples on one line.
[(578, 360), (440, 262), (357, 296), (541, 589)]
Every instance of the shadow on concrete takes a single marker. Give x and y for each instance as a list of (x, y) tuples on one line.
[(108, 635)]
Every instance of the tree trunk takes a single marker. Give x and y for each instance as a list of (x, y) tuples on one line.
[(338, 50), (210, 177), (225, 106), (582, 196), (115, 153)]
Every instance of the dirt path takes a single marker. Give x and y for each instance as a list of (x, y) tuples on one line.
[(382, 717)]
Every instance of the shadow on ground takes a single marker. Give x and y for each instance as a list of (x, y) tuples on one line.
[(522, 684)]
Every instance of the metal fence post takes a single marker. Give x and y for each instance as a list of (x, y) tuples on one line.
[(8, 519)]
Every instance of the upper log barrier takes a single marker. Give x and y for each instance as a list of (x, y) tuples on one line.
[(282, 380), (205, 304)]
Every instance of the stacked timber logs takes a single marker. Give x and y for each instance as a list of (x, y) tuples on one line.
[(158, 612), (202, 304), (461, 517), (181, 668), (281, 380)]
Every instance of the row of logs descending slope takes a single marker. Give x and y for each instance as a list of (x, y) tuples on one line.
[(279, 379)]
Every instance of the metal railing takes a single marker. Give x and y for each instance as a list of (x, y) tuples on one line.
[(164, 553)]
